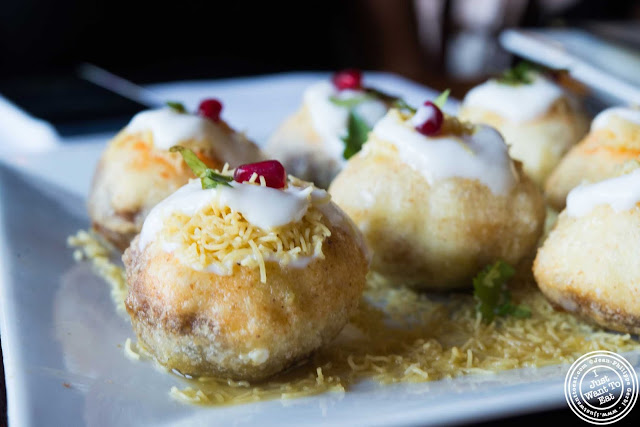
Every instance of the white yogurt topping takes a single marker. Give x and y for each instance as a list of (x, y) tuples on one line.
[(169, 127), (621, 193), (628, 114), (331, 120), (483, 155), (517, 103), (263, 207)]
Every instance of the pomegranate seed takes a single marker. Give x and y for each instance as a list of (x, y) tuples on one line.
[(210, 108), (428, 119), (347, 79), (272, 170)]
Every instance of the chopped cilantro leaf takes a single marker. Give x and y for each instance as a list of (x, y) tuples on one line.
[(401, 104), (521, 73), (212, 179), (442, 98), (357, 128), (177, 106), (390, 100), (357, 132), (349, 102), (208, 177), (491, 294)]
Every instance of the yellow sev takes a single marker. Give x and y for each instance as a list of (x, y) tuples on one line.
[(219, 238), (400, 335), (89, 246)]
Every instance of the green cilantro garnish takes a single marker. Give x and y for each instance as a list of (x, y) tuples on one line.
[(391, 100), (177, 106), (357, 129), (442, 98), (371, 93), (521, 73), (382, 96), (208, 177), (357, 132), (349, 102), (491, 294), (401, 104)]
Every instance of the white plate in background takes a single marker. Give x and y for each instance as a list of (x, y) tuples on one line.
[(62, 338)]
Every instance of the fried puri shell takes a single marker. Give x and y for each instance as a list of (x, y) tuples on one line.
[(434, 236), (235, 326), (541, 143), (302, 150), (588, 265), (597, 157), (132, 176)]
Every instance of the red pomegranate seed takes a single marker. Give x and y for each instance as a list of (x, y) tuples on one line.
[(430, 117), (272, 170), (347, 79), (210, 108)]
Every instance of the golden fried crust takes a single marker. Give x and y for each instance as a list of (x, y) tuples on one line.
[(132, 176), (204, 324), (302, 150), (588, 265), (434, 236), (597, 157), (541, 143)]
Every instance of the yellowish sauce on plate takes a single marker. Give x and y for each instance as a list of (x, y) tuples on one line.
[(398, 335)]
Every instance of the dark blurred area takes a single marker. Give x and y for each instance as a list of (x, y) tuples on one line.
[(151, 42), (441, 43)]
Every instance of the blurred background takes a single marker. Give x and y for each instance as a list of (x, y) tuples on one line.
[(440, 43), (426, 40)]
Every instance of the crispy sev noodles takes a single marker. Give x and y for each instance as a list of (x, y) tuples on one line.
[(400, 335)]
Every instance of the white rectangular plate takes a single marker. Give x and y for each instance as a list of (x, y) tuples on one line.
[(62, 339)]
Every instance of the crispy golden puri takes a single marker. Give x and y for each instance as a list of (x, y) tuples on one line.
[(540, 143), (302, 151), (597, 157), (133, 175), (588, 265), (434, 236), (235, 326)]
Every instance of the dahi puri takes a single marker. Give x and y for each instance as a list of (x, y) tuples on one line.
[(243, 281), (310, 143), (538, 120), (436, 209), (614, 139), (589, 263), (136, 170)]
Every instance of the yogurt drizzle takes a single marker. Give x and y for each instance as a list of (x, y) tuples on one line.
[(263, 207), (483, 155), (517, 103), (621, 193), (602, 120), (169, 127)]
